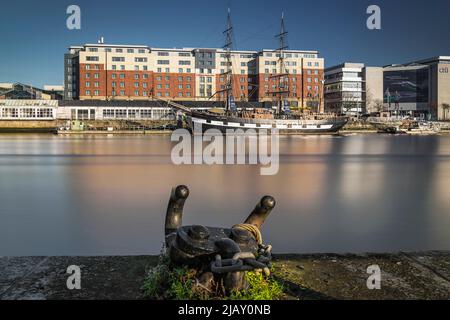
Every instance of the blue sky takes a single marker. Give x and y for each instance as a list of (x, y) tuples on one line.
[(34, 36)]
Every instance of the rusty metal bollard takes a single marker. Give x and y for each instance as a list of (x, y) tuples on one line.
[(220, 255)]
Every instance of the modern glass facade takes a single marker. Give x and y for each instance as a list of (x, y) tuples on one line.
[(406, 85)]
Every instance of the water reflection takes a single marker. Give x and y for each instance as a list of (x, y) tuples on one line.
[(108, 194)]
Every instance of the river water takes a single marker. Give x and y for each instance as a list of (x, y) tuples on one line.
[(107, 195)]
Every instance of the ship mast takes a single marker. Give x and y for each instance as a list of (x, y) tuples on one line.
[(281, 80), (228, 47)]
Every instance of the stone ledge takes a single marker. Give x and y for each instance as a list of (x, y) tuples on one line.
[(421, 275)]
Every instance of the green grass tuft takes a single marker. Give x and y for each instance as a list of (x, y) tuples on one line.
[(178, 283), (259, 288)]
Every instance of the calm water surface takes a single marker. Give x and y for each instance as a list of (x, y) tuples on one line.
[(106, 195)]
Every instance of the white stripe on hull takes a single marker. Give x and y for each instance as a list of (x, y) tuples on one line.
[(284, 127)]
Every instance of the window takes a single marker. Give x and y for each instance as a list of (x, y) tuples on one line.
[(188, 86), (180, 94), (136, 68), (188, 70), (163, 62), (122, 76), (158, 78), (180, 86), (159, 86), (167, 78), (113, 84), (159, 70), (88, 92), (180, 70), (119, 50), (188, 79), (188, 94), (184, 54), (114, 67), (141, 51), (162, 54), (136, 76), (96, 75), (136, 92), (145, 68), (122, 67), (88, 84), (140, 59), (167, 86), (180, 78), (93, 49), (122, 92), (91, 58), (118, 59), (167, 70), (122, 84), (130, 50), (88, 75), (185, 63), (209, 79), (96, 84), (96, 92), (136, 84), (144, 85), (145, 76)]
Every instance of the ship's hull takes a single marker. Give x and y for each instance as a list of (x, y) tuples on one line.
[(283, 126)]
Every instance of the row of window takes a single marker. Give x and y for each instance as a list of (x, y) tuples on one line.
[(167, 78), (291, 55), (208, 54), (26, 113), (118, 50)]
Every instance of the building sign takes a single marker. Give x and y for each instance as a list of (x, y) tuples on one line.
[(443, 70)]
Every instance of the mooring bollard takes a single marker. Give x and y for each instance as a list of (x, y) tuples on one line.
[(219, 255)]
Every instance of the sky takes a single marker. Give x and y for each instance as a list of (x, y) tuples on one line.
[(34, 36)]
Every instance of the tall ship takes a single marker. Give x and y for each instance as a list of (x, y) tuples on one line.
[(279, 116)]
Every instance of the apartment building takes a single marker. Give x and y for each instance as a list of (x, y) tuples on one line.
[(132, 72), (344, 88)]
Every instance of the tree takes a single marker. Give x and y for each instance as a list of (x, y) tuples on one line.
[(445, 111)]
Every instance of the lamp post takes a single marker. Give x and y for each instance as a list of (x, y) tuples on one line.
[(388, 96)]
